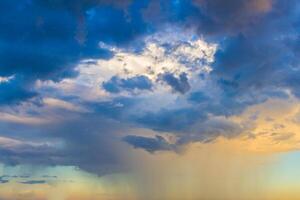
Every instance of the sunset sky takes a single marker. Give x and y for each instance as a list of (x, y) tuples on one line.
[(149, 100)]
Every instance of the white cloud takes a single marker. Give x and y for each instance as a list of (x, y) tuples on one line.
[(165, 51), (22, 119), (4, 79), (10, 143), (58, 103)]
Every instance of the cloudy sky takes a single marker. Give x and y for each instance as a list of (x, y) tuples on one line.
[(149, 99)]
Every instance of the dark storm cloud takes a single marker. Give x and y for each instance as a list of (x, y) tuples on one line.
[(170, 120), (88, 142), (28, 154), (116, 84), (208, 130), (258, 40), (230, 16), (149, 144), (44, 40), (178, 84), (198, 97), (188, 124)]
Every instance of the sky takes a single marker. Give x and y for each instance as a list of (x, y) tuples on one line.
[(149, 99)]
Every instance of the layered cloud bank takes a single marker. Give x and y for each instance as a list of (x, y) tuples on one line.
[(92, 78)]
